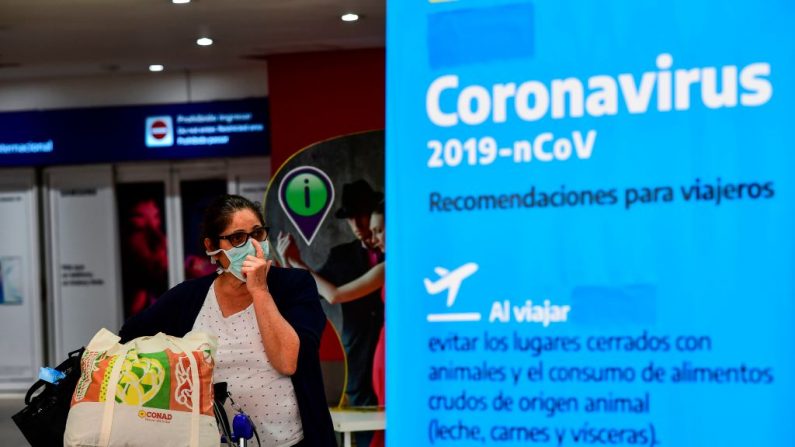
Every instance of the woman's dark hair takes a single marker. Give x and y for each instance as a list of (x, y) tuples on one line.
[(380, 208), (218, 215)]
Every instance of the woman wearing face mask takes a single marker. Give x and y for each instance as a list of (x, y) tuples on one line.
[(268, 321)]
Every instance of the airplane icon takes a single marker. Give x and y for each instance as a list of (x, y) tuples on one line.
[(450, 281)]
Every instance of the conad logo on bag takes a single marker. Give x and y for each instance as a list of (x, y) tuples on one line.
[(158, 416)]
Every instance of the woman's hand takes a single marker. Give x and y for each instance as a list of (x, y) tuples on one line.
[(280, 340), (256, 270)]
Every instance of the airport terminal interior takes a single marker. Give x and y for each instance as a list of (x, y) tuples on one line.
[(590, 207), (281, 75)]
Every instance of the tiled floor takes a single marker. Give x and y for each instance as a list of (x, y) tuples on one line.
[(10, 435)]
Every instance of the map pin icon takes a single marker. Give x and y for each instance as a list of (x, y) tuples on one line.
[(306, 195)]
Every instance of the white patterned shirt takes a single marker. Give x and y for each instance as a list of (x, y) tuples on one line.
[(263, 393)]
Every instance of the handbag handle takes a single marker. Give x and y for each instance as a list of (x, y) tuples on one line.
[(195, 385), (35, 387), (39, 383), (110, 397)]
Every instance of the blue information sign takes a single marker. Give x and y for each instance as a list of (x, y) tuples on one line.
[(135, 133), (590, 216)]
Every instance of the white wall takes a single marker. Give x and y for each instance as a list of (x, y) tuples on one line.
[(148, 88)]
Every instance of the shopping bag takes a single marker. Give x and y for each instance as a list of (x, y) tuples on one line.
[(150, 391), (43, 420)]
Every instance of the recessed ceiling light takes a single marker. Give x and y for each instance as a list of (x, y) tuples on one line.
[(350, 17), (156, 67), (204, 41), (180, 2)]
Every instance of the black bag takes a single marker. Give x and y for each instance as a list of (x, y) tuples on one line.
[(43, 420)]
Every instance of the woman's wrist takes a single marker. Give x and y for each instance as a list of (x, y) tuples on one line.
[(260, 294)]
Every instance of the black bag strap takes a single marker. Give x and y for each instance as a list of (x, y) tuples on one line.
[(66, 364), (72, 356), (220, 393), (35, 387)]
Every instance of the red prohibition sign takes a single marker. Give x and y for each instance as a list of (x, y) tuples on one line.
[(159, 129)]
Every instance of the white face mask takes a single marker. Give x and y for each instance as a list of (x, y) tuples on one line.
[(237, 255)]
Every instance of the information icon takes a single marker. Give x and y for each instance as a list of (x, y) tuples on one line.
[(306, 195)]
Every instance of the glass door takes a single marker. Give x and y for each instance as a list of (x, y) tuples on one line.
[(21, 332), (141, 192)]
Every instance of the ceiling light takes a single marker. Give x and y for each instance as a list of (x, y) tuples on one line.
[(156, 67), (204, 41), (180, 2), (350, 17)]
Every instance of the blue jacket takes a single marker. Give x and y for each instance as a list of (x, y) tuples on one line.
[(295, 294)]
